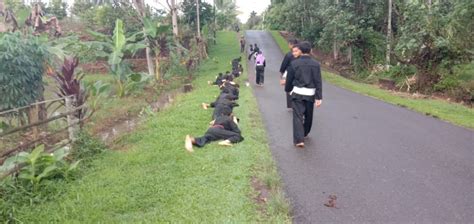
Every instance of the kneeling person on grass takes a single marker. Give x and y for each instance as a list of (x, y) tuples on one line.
[(224, 128)]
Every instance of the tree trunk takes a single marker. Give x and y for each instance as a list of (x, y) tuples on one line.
[(198, 20), (335, 47), (349, 54), (214, 31), (140, 7), (3, 27), (389, 35), (174, 18)]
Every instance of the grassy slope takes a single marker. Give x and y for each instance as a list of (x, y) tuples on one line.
[(451, 112), (156, 180)]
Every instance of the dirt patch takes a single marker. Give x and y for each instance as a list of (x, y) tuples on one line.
[(113, 129), (263, 193), (98, 67), (102, 67)]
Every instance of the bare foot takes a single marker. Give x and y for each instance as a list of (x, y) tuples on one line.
[(204, 106), (225, 143), (300, 145), (188, 143)]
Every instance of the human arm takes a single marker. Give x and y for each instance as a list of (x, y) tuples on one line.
[(290, 76)]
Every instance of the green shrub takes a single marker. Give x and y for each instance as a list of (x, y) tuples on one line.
[(86, 147), (22, 61)]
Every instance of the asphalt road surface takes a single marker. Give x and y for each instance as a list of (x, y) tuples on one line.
[(384, 163)]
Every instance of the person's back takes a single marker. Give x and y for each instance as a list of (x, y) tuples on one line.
[(307, 69), (260, 68), (260, 60)]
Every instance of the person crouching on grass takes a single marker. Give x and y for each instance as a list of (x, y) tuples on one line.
[(224, 128)]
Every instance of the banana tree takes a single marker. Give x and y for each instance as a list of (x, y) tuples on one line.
[(118, 46), (157, 34)]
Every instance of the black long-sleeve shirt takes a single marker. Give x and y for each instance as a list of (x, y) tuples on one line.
[(228, 123), (286, 62), (305, 72)]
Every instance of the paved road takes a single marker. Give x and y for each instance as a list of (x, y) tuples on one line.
[(384, 163)]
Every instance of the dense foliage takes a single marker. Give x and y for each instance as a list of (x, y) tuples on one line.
[(21, 68), (432, 40)]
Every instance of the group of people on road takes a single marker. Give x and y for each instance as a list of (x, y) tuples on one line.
[(301, 76), (224, 126)]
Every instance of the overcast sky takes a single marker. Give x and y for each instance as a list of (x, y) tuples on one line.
[(244, 6)]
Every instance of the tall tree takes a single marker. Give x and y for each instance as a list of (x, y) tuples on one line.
[(198, 23), (335, 47), (140, 7), (389, 35), (174, 16)]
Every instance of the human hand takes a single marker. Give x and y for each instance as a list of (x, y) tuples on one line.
[(318, 103), (282, 82)]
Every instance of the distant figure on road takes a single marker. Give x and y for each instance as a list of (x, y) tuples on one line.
[(242, 44), (254, 51), (284, 67), (304, 84), (260, 68)]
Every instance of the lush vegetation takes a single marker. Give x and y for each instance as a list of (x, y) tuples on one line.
[(21, 69), (423, 46), (451, 112), (153, 179), (143, 53)]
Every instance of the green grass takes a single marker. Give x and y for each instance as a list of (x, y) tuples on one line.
[(155, 180), (451, 112)]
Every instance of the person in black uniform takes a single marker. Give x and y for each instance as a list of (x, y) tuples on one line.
[(284, 67), (223, 128), (304, 84), (254, 51)]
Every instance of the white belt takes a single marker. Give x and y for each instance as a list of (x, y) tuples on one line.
[(304, 91)]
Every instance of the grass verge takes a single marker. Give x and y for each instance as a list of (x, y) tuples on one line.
[(452, 112), (156, 180)]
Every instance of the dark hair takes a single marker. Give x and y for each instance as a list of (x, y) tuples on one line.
[(293, 41), (220, 74), (304, 46), (255, 44)]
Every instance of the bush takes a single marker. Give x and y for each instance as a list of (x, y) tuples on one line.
[(21, 68), (86, 147)]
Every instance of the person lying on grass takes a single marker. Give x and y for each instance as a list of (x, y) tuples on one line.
[(218, 81), (230, 88), (224, 128), (236, 66), (224, 105), (221, 78)]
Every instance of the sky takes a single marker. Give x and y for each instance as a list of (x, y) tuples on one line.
[(244, 6)]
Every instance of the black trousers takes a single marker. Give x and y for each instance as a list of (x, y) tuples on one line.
[(214, 134), (259, 71), (302, 119), (288, 100)]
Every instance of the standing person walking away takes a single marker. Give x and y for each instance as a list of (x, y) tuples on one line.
[(260, 68), (254, 51), (304, 84), (242, 44), (284, 67)]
